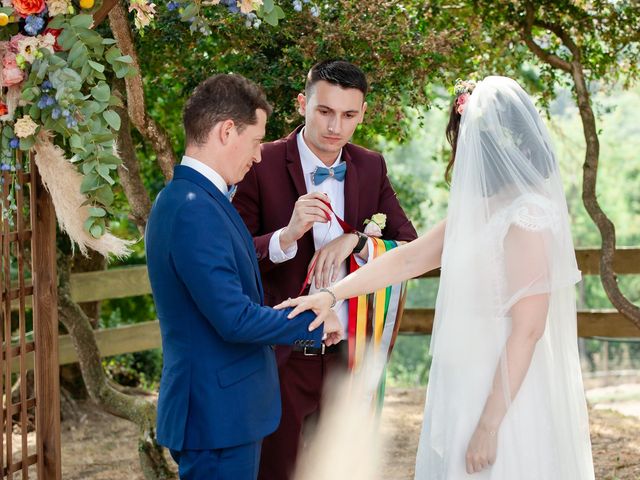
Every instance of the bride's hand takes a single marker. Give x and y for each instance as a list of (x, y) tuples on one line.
[(482, 449), (319, 303)]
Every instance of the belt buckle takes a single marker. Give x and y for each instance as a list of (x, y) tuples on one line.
[(308, 354)]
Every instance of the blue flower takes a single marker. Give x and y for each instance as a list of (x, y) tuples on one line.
[(71, 122), (315, 11), (171, 6), (14, 142), (5, 167), (43, 102), (34, 25), (297, 5), (55, 113), (46, 86), (66, 113)]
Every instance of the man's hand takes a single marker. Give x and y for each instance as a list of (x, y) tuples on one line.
[(329, 258), (308, 209), (332, 327)]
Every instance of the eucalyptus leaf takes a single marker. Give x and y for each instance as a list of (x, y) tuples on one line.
[(104, 195), (82, 21), (112, 118), (97, 231), (98, 67), (27, 143), (101, 92), (97, 212)]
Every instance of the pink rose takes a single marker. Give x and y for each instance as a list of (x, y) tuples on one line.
[(461, 102), (14, 42), (11, 73)]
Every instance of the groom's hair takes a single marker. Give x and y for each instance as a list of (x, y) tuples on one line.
[(336, 72), (219, 98)]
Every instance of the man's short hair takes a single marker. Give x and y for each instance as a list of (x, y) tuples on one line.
[(337, 72), (219, 98)]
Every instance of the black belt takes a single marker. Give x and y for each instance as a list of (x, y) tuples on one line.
[(313, 351)]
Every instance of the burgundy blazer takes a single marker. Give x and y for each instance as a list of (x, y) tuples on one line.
[(266, 197)]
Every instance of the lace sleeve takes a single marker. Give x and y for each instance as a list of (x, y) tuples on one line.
[(535, 214)]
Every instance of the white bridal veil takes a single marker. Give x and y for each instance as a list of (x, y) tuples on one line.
[(507, 241)]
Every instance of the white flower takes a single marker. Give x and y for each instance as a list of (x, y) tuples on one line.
[(25, 127), (28, 48), (145, 12), (58, 7)]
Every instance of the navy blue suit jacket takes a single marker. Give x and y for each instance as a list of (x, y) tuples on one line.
[(219, 384)]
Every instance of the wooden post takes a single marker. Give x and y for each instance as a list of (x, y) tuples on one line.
[(45, 319)]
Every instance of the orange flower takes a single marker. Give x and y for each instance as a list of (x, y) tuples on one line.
[(3, 109), (28, 7)]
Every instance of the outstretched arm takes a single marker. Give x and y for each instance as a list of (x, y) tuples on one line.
[(402, 263)]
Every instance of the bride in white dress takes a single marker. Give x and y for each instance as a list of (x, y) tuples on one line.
[(505, 398)]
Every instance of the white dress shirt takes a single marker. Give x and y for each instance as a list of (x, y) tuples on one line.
[(323, 233), (207, 171)]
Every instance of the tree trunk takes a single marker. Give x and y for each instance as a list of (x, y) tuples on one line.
[(590, 167), (137, 410)]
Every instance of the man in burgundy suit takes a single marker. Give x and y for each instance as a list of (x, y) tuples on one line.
[(282, 202)]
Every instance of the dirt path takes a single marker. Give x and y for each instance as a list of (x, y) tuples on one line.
[(102, 447)]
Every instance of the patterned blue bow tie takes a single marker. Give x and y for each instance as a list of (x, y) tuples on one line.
[(320, 174), (231, 192)]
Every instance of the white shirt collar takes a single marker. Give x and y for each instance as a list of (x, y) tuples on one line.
[(309, 159), (213, 176)]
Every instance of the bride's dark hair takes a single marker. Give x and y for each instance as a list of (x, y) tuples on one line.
[(453, 127)]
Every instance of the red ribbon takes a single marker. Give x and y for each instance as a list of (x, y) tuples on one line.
[(346, 228)]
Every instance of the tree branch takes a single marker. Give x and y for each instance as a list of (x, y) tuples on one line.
[(592, 154), (129, 171), (527, 36), (147, 126)]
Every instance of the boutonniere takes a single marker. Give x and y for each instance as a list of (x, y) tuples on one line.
[(375, 225)]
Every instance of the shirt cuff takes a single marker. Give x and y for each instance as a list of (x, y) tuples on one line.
[(276, 254), (362, 262)]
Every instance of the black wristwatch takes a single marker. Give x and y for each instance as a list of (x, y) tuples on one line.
[(362, 241)]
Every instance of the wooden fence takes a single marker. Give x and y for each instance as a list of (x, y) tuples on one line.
[(125, 282)]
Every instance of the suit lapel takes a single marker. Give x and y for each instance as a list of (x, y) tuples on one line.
[(233, 215), (294, 165), (351, 189)]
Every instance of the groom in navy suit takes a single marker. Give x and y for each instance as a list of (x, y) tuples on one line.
[(219, 393)]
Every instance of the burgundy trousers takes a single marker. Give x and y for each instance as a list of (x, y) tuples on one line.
[(302, 380)]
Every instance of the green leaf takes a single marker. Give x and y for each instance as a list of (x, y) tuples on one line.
[(7, 132), (66, 39), (97, 231), (90, 182), (104, 195), (88, 223), (268, 6), (82, 21), (101, 92), (76, 142), (97, 212), (103, 171), (27, 143), (87, 167), (109, 159), (98, 67), (56, 22), (91, 38), (77, 50), (124, 59), (108, 41), (112, 54), (7, 10), (279, 12), (112, 118), (272, 18)]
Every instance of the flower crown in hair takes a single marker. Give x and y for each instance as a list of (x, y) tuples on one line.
[(462, 90)]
